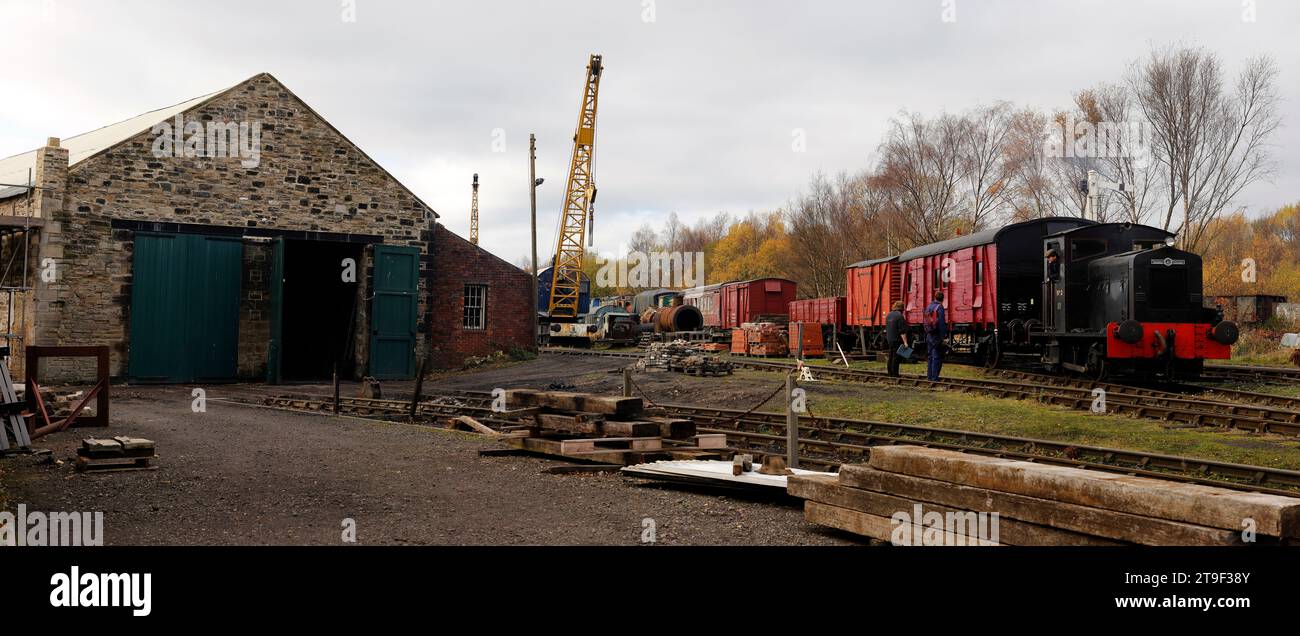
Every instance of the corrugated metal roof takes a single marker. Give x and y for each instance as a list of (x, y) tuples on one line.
[(12, 191), (15, 169), (712, 472)]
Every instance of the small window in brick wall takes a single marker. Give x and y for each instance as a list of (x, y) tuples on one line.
[(475, 307)]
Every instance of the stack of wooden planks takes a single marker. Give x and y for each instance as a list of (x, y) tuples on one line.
[(12, 422), (607, 429), (117, 453), (912, 495)]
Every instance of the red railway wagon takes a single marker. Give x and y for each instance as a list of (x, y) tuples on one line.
[(749, 300), (708, 299), (988, 278), (873, 286), (964, 272), (828, 311)]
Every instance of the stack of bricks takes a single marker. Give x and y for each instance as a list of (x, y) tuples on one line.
[(765, 339)]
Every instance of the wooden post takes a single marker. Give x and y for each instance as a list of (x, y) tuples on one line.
[(791, 425), (419, 388), (627, 381), (336, 388)]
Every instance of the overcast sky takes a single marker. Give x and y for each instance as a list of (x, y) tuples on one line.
[(698, 107)]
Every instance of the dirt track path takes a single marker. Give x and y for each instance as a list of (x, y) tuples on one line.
[(243, 475)]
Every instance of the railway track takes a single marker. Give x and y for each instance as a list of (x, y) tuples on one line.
[(830, 442), (1119, 399), (1174, 391), (1251, 373)]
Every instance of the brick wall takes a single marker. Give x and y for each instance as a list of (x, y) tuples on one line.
[(457, 262), (309, 178)]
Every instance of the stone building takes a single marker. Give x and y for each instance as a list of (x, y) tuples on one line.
[(240, 236)]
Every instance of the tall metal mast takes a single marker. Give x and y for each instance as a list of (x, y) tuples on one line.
[(579, 196), (473, 214)]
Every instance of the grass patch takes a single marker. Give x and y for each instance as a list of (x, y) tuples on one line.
[(942, 409), (985, 414)]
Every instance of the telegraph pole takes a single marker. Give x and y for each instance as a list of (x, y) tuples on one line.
[(532, 197)]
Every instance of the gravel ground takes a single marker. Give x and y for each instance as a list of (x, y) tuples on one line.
[(253, 476)]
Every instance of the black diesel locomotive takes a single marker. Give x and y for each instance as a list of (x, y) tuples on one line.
[(1124, 300)]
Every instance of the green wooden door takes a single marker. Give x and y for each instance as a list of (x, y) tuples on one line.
[(185, 308), (393, 312), (157, 308)]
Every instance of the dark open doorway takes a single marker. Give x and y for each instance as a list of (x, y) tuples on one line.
[(319, 309)]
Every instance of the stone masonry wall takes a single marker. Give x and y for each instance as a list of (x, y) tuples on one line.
[(309, 178), (254, 307)]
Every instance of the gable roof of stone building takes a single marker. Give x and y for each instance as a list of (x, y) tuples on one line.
[(14, 170)]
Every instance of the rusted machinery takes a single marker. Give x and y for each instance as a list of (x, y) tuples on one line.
[(675, 319)]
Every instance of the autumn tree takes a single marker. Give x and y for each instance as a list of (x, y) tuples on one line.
[(754, 247)]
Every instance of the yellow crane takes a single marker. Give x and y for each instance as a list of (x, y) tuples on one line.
[(579, 198), (473, 214)]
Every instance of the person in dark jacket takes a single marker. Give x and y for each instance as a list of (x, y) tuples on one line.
[(936, 331), (895, 336), (1053, 279)]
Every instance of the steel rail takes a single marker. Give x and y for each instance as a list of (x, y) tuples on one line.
[(853, 438), (1286, 375), (1119, 399), (830, 442)]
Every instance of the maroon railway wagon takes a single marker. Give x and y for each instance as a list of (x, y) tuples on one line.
[(829, 311), (991, 282), (758, 300), (708, 299), (726, 306)]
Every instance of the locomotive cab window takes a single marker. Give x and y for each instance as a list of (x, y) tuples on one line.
[(1081, 249), (475, 317)]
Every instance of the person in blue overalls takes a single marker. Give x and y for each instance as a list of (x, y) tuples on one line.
[(936, 330)]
